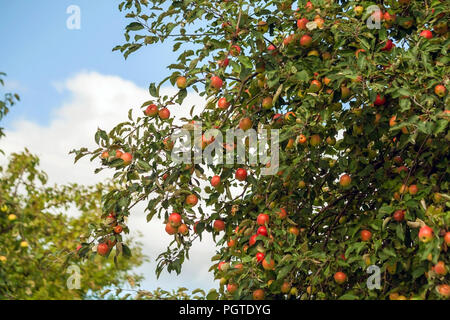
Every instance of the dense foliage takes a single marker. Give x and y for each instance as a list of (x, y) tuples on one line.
[(364, 144)]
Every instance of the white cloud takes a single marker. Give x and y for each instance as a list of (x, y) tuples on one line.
[(98, 100)]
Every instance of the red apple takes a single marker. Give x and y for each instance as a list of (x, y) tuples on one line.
[(262, 219), (426, 34), (340, 277), (425, 234), (366, 235), (260, 256), (399, 215), (241, 174), (191, 200), (447, 238), (219, 225), (127, 158), (379, 100), (164, 113), (102, 249), (223, 103), (245, 124), (306, 41), (252, 240), (216, 82), (262, 231), (301, 23), (170, 229), (152, 110), (215, 181), (440, 90), (181, 82), (175, 219), (345, 180)]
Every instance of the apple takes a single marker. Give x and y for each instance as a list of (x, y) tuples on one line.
[(118, 154), (262, 219), (447, 238), (260, 256), (223, 266), (223, 103), (127, 158), (309, 6), (267, 102), (235, 50), (285, 287), (268, 265), (425, 234), (315, 86), (426, 34), (252, 240), (440, 90), (282, 214), (258, 294), (181, 82), (413, 189), (104, 155), (232, 288), (366, 235), (399, 215), (294, 230), (215, 181), (301, 139), (241, 174), (444, 289), (12, 217), (216, 82), (183, 229), (223, 63), (164, 113), (175, 219), (102, 249), (118, 229), (301, 23), (388, 45), (151, 111), (389, 18), (306, 41), (245, 124), (262, 231), (358, 10), (191, 200), (262, 26), (345, 180), (340, 277), (440, 268), (219, 225), (345, 92), (314, 140)]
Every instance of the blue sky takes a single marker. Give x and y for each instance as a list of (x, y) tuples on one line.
[(39, 50), (54, 69)]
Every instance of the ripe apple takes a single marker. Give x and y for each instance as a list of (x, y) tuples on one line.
[(262, 231), (216, 82), (127, 158), (440, 268), (23, 244), (245, 124), (440, 90), (12, 217), (444, 289), (118, 154), (285, 287), (315, 86), (267, 103), (399, 215), (345, 180), (252, 240), (413, 189), (309, 6), (301, 23), (215, 181), (183, 229), (282, 214), (102, 249), (181, 82), (219, 225), (306, 41), (175, 220), (294, 230), (232, 288), (241, 174), (223, 63), (118, 229), (152, 110), (170, 229), (104, 155), (366, 235), (223, 103), (447, 238), (268, 265), (164, 113), (191, 200), (301, 139), (262, 219), (358, 10), (340, 277), (425, 234), (258, 294), (260, 256), (379, 100), (426, 34), (235, 50)]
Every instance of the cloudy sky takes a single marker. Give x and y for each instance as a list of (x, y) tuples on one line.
[(70, 83)]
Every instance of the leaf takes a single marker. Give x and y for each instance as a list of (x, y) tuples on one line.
[(134, 26)]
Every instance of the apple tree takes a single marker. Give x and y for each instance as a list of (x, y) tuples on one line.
[(358, 91)]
